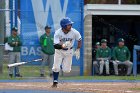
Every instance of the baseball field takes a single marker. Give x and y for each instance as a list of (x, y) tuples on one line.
[(32, 83)]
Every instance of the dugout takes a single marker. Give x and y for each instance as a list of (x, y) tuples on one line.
[(113, 27), (112, 22)]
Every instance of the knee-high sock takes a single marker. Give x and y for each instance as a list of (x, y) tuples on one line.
[(55, 76)]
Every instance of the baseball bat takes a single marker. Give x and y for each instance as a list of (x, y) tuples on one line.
[(22, 63)]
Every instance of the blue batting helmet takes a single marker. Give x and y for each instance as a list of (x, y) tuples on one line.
[(65, 21)]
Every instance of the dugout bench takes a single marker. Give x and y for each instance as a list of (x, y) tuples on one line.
[(136, 62)]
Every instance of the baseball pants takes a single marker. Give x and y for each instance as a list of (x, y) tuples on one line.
[(62, 58), (102, 63), (46, 58), (96, 67), (127, 63), (14, 57)]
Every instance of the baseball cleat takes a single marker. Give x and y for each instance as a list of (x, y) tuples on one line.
[(10, 75), (54, 85), (42, 75), (18, 75)]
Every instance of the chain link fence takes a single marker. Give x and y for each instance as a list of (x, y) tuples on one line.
[(28, 52)]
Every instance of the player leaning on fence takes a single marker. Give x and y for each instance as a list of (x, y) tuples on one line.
[(46, 41), (121, 55), (15, 42)]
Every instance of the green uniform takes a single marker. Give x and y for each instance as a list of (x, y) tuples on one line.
[(14, 56), (121, 53), (47, 52), (16, 48), (103, 53), (47, 44)]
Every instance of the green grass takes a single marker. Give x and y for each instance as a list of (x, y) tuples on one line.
[(134, 88), (102, 78), (26, 71), (34, 71)]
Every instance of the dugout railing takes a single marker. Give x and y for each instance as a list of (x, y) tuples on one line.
[(135, 59)]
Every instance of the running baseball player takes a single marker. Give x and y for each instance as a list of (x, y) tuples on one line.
[(64, 39)]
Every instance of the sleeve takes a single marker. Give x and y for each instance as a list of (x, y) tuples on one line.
[(41, 41), (19, 42), (56, 38), (114, 54), (109, 53), (5, 40), (10, 42), (78, 36), (97, 53), (57, 46), (128, 54)]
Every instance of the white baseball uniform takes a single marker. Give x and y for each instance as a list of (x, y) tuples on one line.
[(64, 56)]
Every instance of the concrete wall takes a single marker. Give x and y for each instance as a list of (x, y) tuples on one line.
[(88, 45)]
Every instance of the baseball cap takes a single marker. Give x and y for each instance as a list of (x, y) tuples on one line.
[(47, 27), (120, 40), (14, 29), (103, 41), (97, 43)]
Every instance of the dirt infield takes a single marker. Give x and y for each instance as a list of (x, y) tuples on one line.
[(105, 87)]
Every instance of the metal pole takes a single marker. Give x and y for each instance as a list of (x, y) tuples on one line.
[(11, 13), (16, 12), (134, 62), (119, 2), (2, 22), (15, 20), (82, 48)]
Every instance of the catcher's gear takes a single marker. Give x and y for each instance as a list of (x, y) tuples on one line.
[(77, 54), (67, 44), (65, 21)]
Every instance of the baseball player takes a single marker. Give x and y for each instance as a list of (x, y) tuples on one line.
[(15, 42), (46, 42), (64, 39), (121, 55), (95, 61), (103, 56)]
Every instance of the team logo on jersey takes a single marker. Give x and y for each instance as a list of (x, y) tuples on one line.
[(124, 50), (66, 39)]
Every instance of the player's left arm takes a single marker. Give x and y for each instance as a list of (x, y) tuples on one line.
[(79, 39), (79, 44)]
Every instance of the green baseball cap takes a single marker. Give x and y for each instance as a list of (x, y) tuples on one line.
[(14, 29), (120, 40), (97, 43), (103, 41), (47, 27)]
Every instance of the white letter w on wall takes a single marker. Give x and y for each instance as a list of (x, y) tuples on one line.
[(42, 15)]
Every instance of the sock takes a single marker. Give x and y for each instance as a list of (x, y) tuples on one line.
[(55, 76)]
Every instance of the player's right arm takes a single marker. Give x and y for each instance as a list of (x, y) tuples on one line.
[(10, 42)]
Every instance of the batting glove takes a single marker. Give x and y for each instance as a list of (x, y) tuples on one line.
[(67, 44), (77, 54)]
